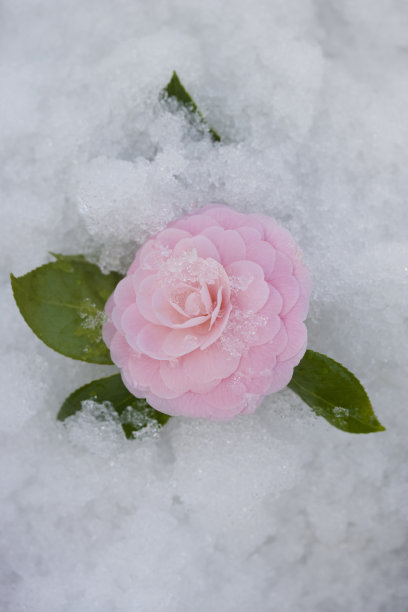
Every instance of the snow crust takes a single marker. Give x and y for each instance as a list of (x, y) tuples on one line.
[(275, 511)]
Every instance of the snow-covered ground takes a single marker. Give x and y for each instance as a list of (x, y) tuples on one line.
[(276, 512)]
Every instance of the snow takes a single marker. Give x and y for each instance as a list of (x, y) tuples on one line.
[(277, 510)]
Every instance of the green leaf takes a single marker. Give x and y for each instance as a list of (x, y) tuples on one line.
[(63, 303), (175, 89), (334, 393), (134, 413)]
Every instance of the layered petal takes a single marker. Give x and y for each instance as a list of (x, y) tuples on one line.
[(210, 316)]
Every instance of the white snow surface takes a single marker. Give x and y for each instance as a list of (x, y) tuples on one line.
[(276, 511)]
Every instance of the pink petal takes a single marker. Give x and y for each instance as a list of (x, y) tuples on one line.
[(249, 234), (283, 266), (301, 307), (193, 304), (222, 403), (135, 264), (247, 270), (124, 294), (302, 275), (178, 342), (227, 399), (116, 318), (288, 288), (108, 332), (132, 323), (269, 225), (227, 217), (267, 329), (158, 387), (144, 297), (127, 381), (189, 404), (217, 308), (206, 297), (297, 336), (256, 368), (274, 303), (119, 350), (109, 305), (229, 243), (138, 276), (295, 360), (150, 256), (279, 342), (252, 403), (279, 237), (193, 322), (150, 341), (198, 386), (164, 311), (204, 247), (254, 297), (143, 370), (170, 236), (217, 328), (194, 223), (263, 254), (281, 377), (258, 361), (209, 364), (174, 377)]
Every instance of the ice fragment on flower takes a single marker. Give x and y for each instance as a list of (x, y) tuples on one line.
[(210, 316)]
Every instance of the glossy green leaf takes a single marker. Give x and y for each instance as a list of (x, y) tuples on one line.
[(175, 89), (63, 303), (334, 393), (135, 414)]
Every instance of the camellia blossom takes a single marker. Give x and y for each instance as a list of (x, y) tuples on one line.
[(209, 318)]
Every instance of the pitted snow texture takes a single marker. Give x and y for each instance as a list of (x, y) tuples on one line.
[(276, 511)]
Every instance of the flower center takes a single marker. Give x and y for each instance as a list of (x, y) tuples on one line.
[(194, 286)]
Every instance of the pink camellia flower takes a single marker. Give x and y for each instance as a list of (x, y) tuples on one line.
[(209, 318)]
